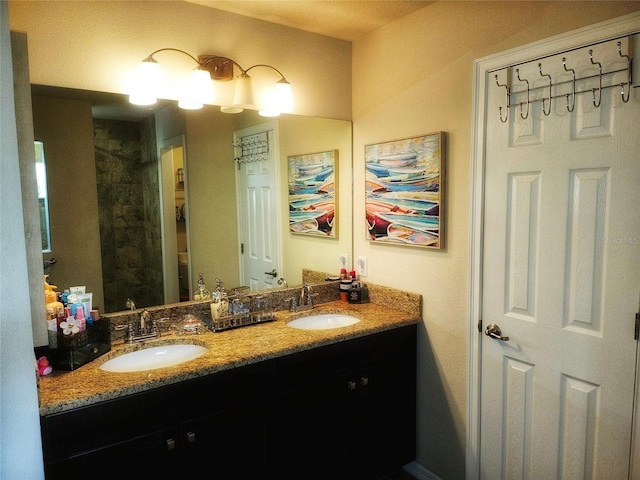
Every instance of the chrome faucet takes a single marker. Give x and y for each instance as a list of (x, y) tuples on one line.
[(147, 329), (283, 282), (306, 298)]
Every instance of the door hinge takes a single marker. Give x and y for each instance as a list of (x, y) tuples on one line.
[(480, 325), (636, 333), (241, 248)]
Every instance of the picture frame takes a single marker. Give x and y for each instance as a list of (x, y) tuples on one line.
[(404, 191), (313, 187)]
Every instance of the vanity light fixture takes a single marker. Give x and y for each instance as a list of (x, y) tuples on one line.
[(199, 88)]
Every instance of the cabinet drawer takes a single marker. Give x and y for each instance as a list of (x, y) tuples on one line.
[(301, 369), (95, 426)]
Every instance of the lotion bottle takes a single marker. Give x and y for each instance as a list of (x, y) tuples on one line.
[(345, 285)]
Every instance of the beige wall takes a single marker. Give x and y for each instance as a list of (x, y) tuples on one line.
[(429, 89), (299, 135), (95, 45), (66, 128), (211, 172), (212, 213)]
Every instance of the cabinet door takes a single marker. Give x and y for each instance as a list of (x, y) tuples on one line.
[(312, 431), (381, 419), (348, 410), (149, 456), (228, 444)]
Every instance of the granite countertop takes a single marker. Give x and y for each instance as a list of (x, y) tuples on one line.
[(229, 349)]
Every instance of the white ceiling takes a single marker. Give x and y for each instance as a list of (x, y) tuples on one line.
[(342, 19)]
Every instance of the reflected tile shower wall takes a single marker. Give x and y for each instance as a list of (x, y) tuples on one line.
[(128, 205)]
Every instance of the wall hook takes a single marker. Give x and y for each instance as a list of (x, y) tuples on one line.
[(524, 117), (546, 113), (573, 89), (600, 80), (625, 100), (506, 86)]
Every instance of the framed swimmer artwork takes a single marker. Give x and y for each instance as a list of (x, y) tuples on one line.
[(313, 181), (404, 185)]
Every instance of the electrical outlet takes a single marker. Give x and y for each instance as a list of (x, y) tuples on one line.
[(344, 260), (362, 266)]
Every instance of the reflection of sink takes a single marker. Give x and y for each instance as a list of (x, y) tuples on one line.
[(153, 357), (323, 321)]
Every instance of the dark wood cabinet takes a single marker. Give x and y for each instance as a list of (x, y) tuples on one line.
[(345, 410), (173, 431), (148, 456), (348, 410), (230, 444)]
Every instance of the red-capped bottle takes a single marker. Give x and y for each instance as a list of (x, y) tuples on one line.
[(345, 285)]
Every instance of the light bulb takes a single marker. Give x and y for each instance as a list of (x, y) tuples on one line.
[(243, 93), (197, 91), (146, 83), (282, 96)]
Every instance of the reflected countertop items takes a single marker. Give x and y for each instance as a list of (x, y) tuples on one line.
[(226, 350)]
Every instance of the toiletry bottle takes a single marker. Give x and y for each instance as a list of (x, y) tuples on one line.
[(345, 285), (60, 317), (75, 305), (52, 329), (80, 318), (52, 306)]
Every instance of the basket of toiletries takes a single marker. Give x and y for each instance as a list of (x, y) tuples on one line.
[(240, 311), (76, 334), (79, 348)]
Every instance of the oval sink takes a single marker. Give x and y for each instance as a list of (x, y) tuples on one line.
[(323, 321), (153, 358)]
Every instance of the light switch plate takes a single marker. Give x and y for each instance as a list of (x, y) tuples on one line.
[(344, 260), (362, 266)]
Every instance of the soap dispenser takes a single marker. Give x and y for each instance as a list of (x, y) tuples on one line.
[(201, 293)]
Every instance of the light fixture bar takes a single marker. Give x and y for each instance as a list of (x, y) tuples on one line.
[(197, 91), (220, 68)]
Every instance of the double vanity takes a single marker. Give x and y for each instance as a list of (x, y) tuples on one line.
[(324, 393)]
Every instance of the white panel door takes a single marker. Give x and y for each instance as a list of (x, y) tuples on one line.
[(258, 201), (561, 273)]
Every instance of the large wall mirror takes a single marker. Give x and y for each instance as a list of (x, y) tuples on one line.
[(120, 177)]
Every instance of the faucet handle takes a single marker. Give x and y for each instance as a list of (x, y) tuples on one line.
[(294, 304)]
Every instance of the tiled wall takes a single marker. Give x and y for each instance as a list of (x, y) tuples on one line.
[(129, 210)]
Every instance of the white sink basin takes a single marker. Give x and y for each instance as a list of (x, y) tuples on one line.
[(153, 357), (323, 321)]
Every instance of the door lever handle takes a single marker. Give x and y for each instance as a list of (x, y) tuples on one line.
[(273, 273), (494, 332)]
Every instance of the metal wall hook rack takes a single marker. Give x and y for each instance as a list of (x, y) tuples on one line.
[(252, 148), (524, 117), (546, 113), (599, 80), (507, 86), (625, 100), (573, 85), (545, 94)]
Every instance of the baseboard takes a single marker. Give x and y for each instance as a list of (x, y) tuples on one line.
[(419, 472)]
